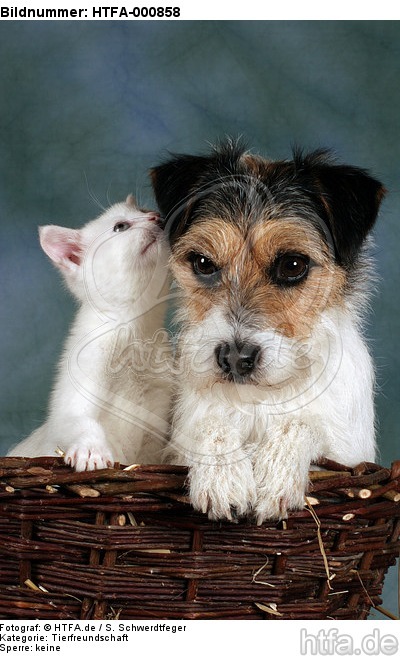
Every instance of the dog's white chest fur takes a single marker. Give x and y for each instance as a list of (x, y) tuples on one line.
[(250, 447)]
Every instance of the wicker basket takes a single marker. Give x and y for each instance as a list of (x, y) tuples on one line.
[(126, 544)]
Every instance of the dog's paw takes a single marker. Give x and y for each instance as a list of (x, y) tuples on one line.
[(281, 467), (274, 501), (88, 457), (223, 491)]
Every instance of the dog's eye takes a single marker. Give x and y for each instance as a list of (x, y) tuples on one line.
[(290, 268), (202, 265), (122, 226)]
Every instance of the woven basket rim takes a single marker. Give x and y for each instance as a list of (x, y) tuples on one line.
[(133, 530)]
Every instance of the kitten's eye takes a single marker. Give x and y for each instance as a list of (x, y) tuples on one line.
[(122, 226), (290, 268), (202, 265)]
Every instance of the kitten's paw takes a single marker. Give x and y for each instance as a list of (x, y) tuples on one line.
[(223, 491), (86, 448), (88, 457)]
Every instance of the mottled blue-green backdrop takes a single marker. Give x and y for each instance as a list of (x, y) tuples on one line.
[(87, 107)]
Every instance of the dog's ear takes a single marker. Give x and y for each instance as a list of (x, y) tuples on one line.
[(175, 181), (183, 181), (352, 199), (349, 197)]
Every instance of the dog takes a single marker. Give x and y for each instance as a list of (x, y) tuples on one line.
[(108, 403), (272, 263)]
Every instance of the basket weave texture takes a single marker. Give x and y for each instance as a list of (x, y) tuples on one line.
[(126, 544)]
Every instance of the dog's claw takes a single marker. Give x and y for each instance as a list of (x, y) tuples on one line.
[(223, 492), (235, 514)]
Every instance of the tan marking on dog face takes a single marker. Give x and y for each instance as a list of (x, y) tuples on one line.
[(219, 241), (260, 168), (246, 287), (293, 309), (256, 164)]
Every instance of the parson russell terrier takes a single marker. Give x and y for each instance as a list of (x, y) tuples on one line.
[(273, 266)]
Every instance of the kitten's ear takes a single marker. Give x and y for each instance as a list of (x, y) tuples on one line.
[(63, 246), (131, 201)]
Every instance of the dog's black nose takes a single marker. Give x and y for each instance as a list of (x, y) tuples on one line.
[(237, 358)]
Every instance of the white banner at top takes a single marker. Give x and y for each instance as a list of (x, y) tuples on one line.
[(165, 10)]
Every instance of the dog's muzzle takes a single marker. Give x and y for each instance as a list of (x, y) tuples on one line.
[(237, 359)]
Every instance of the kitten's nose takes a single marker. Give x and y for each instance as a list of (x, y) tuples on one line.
[(237, 358), (154, 216), (158, 219)]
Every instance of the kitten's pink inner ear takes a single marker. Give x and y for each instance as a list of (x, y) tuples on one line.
[(131, 200), (62, 245)]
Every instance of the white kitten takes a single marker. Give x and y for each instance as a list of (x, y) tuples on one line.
[(112, 394)]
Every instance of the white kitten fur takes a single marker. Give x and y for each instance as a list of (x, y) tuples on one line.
[(107, 405)]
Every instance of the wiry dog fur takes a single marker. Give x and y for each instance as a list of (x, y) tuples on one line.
[(272, 264)]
